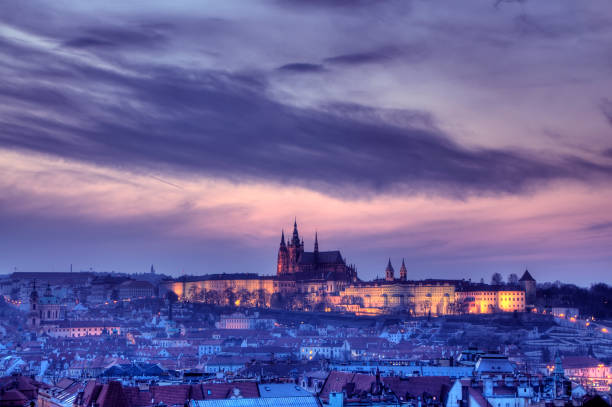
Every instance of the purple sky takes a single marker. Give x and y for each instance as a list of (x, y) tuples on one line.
[(467, 137)]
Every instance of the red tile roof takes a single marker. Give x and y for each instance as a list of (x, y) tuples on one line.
[(412, 387), (580, 362)]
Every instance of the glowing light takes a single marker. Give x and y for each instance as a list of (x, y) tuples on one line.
[(573, 319), (237, 302), (604, 330)]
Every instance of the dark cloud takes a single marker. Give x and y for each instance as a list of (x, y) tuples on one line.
[(302, 67), (407, 53), (606, 109), (599, 227), (351, 4), (498, 3), (359, 58), (368, 114), (144, 35), (224, 125)]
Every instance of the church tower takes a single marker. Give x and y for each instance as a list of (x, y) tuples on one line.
[(389, 272), (34, 314), (403, 272), (295, 248), (283, 257)]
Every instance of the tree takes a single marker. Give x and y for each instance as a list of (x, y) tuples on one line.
[(497, 279), (513, 279), (229, 297), (212, 297), (262, 298), (245, 297), (277, 301)]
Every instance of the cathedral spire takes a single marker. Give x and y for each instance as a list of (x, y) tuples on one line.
[(316, 247), (295, 240), (282, 243)]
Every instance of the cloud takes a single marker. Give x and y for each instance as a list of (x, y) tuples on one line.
[(380, 55), (596, 227), (143, 35), (606, 109), (225, 125), (405, 52), (302, 67)]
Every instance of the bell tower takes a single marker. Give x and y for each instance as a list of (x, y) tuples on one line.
[(282, 264), (389, 272), (35, 312), (295, 248), (403, 272)]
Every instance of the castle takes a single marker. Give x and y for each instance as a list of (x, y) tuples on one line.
[(300, 265), (325, 280)]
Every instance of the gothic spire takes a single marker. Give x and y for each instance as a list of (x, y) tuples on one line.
[(295, 240), (316, 247), (282, 243)]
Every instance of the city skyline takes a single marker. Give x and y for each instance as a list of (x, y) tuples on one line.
[(467, 139)]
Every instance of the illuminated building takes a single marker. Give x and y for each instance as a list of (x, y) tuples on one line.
[(425, 297), (323, 279), (199, 289), (588, 371), (486, 299), (316, 273), (316, 265)]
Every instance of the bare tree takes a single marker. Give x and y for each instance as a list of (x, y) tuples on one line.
[(497, 279), (513, 279)]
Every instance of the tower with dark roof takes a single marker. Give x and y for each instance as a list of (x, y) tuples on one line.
[(294, 262), (283, 256), (389, 272), (34, 314), (295, 248), (529, 285), (403, 272)]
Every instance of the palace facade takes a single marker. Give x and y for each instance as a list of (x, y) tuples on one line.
[(325, 280)]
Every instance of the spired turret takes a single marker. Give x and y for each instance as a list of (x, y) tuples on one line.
[(403, 272), (389, 272), (295, 248), (283, 256)]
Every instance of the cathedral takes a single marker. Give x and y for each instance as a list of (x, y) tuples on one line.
[(297, 264)]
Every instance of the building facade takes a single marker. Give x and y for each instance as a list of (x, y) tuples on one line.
[(325, 281)]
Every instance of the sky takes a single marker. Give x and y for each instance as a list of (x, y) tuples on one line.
[(468, 137)]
